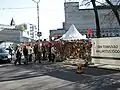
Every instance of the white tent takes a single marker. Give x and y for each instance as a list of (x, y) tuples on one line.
[(72, 34), (84, 36)]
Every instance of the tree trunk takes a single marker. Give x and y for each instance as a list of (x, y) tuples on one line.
[(96, 19), (114, 10)]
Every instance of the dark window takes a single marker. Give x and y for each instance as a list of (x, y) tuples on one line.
[(117, 35)]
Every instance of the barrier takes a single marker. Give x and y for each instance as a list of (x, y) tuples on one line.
[(79, 69)]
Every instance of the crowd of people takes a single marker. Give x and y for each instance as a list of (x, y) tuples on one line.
[(50, 50), (36, 52)]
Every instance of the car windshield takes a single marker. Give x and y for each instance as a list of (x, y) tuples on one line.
[(2, 51)]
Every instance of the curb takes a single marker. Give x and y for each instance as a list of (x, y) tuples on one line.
[(109, 68), (113, 69), (104, 68)]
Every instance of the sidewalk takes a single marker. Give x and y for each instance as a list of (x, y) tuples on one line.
[(74, 62), (106, 66)]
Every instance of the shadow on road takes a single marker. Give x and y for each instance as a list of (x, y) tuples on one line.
[(98, 72), (70, 74), (92, 77)]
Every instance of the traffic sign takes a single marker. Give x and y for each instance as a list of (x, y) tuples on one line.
[(39, 34)]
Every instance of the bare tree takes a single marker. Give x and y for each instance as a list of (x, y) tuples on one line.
[(96, 19), (114, 10), (96, 16), (113, 7)]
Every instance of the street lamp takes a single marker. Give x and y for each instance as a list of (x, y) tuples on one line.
[(37, 2)]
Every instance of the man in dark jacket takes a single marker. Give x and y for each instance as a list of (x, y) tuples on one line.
[(35, 49), (25, 53), (18, 57)]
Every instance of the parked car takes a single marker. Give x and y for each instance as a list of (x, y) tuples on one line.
[(4, 55), (8, 50)]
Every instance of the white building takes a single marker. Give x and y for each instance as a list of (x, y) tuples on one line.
[(13, 34), (30, 31), (18, 33)]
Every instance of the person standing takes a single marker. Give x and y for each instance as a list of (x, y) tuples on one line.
[(53, 51), (25, 53), (18, 56), (35, 49), (49, 52), (44, 49), (10, 51), (30, 50), (39, 54)]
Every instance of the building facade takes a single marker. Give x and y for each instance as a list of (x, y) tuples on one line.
[(30, 31), (55, 34), (83, 19), (3, 26), (13, 34)]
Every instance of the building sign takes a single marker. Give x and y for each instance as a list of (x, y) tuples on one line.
[(106, 47)]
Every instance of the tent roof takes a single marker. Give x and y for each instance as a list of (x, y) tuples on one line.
[(72, 34)]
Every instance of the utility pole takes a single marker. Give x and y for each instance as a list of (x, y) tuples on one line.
[(37, 2)]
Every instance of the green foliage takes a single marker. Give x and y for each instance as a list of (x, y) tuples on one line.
[(21, 28)]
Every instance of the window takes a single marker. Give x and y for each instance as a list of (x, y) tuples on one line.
[(111, 34), (117, 35), (107, 34), (27, 32)]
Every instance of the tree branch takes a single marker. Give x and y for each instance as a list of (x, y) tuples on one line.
[(101, 3), (105, 17), (114, 10), (98, 34)]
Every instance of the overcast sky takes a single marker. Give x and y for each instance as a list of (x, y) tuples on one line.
[(51, 13)]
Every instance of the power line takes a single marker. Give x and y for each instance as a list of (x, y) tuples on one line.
[(17, 8)]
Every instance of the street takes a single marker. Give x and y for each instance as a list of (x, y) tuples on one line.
[(56, 76)]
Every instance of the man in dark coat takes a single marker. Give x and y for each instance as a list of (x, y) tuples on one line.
[(18, 57), (25, 53), (35, 49), (49, 50)]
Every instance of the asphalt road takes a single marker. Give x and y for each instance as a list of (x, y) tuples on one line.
[(56, 76)]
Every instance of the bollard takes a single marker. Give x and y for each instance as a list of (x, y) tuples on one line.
[(79, 69)]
